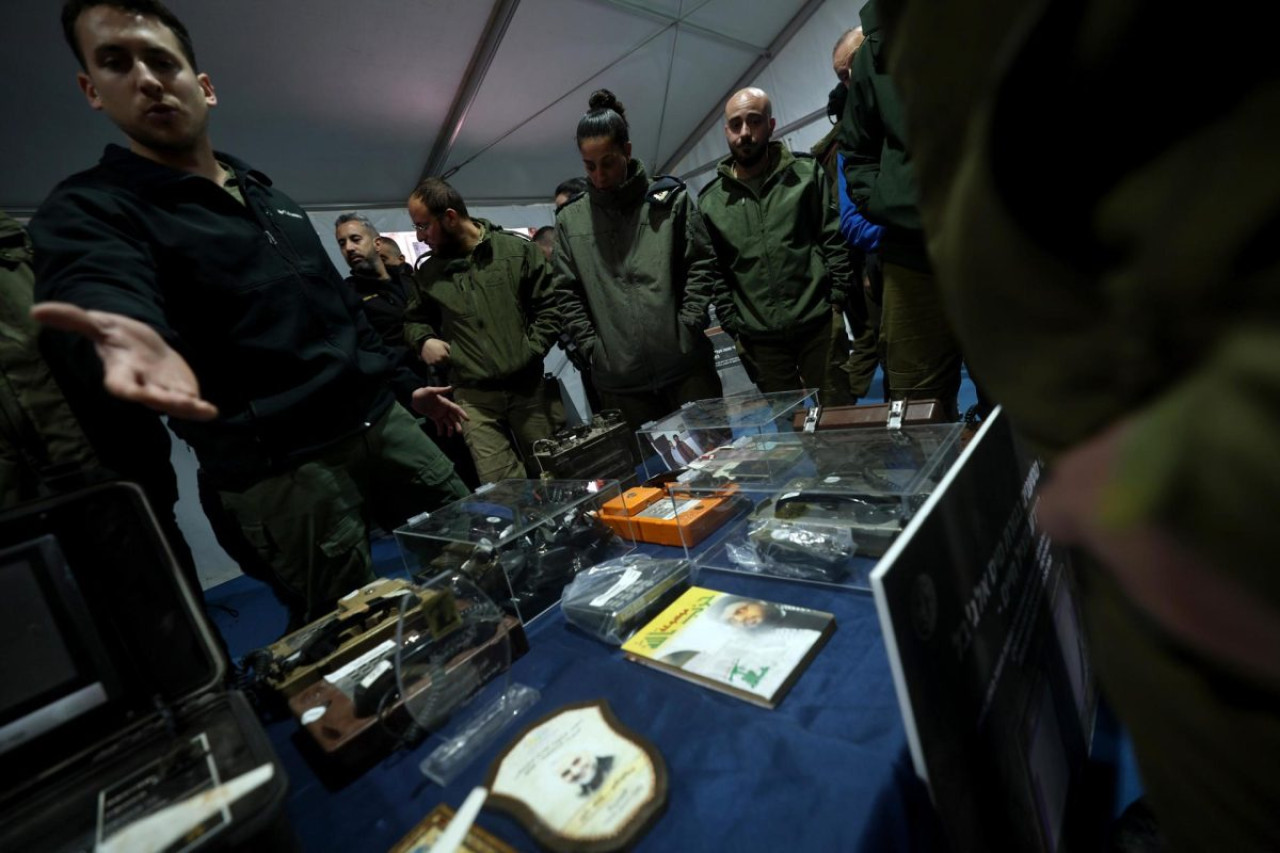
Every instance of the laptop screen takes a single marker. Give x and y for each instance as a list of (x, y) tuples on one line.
[(53, 670)]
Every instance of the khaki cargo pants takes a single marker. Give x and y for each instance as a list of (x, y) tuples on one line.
[(506, 421), (310, 525)]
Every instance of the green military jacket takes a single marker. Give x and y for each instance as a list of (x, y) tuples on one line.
[(39, 436), (781, 254), (493, 307), (634, 275), (877, 163)]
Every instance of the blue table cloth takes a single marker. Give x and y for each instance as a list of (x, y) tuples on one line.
[(828, 769)]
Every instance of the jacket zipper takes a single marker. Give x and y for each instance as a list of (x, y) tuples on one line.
[(267, 222), (475, 311)]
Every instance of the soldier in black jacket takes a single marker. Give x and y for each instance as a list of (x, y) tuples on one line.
[(208, 297), (383, 289)]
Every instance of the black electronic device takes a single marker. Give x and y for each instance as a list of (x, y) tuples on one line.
[(62, 674), (603, 449), (112, 705)]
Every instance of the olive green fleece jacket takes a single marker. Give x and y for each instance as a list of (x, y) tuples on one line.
[(492, 306), (781, 254), (634, 272), (1131, 282), (38, 432), (878, 164)]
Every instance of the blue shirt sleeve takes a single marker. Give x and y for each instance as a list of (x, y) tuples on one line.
[(854, 226)]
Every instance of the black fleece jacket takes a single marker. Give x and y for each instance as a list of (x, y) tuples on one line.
[(245, 292)]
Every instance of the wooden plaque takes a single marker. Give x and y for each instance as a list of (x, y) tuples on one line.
[(580, 781)]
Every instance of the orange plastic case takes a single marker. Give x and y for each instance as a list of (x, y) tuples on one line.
[(647, 514)]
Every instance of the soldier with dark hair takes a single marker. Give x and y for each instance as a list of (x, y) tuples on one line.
[(393, 256), (634, 275), (545, 237), (480, 308), (568, 190), (204, 293), (384, 294)]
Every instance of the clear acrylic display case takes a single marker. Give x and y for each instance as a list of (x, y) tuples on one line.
[(679, 438), (820, 507), (519, 541)]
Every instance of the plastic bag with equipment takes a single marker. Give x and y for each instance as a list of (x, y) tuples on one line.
[(614, 599), (800, 541)]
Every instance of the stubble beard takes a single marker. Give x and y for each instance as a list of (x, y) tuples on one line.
[(747, 161)]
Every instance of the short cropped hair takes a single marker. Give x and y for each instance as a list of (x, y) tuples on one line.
[(363, 221), (571, 187), (73, 9), (545, 236), (437, 196), (844, 37)]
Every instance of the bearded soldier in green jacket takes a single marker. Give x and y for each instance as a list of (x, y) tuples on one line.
[(784, 263), (480, 306)]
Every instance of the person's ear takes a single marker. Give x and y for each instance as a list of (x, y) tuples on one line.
[(206, 86), (90, 90)]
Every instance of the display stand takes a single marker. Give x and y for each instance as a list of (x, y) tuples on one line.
[(441, 672), (519, 541), (816, 507), (674, 441)]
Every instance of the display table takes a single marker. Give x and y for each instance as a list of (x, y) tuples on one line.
[(827, 770)]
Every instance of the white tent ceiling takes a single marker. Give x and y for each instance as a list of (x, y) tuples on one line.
[(347, 105)]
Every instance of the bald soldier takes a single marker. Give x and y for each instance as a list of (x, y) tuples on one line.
[(842, 56), (776, 232)]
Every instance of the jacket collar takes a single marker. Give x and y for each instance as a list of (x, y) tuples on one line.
[(780, 160), (149, 175), (869, 17), (459, 263), (626, 195)]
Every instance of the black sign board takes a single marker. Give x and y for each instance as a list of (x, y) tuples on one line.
[(984, 638)]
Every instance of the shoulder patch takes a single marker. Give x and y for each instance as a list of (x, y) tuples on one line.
[(573, 198), (664, 189)]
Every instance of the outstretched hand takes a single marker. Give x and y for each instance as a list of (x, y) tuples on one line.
[(137, 364), (447, 415)]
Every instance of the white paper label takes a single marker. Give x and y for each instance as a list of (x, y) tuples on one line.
[(670, 509), (629, 577), (383, 648)]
